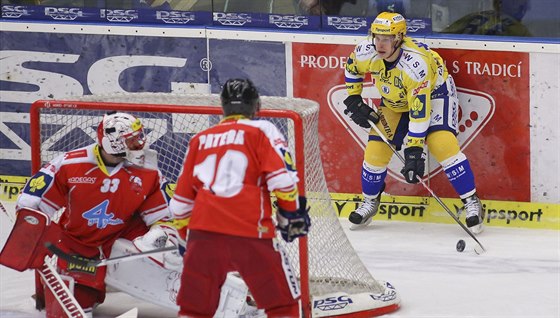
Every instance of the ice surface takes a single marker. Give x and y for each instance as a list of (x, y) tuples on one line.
[(518, 276)]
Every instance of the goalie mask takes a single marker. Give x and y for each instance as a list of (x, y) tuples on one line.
[(122, 135), (240, 97)]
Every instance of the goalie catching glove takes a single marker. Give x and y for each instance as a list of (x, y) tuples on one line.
[(359, 112), (165, 234), (294, 224)]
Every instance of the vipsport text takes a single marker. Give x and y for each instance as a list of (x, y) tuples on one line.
[(510, 215), (392, 210), (389, 209)]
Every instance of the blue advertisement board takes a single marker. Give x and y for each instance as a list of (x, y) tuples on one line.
[(361, 25), (59, 66), (121, 16)]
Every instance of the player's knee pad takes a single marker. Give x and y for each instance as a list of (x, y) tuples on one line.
[(443, 145), (377, 154)]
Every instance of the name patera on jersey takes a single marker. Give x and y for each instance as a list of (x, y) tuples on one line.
[(230, 137)]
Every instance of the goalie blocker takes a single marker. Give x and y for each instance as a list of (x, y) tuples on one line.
[(24, 248)]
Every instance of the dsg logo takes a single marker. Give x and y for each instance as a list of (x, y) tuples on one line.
[(288, 21), (175, 17), (332, 303), (13, 12), (67, 14), (123, 16), (347, 23), (232, 19)]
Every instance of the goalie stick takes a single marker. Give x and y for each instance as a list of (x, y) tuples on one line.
[(65, 297), (443, 205), (107, 261), (60, 291)]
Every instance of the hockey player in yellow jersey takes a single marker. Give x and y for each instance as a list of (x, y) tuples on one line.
[(419, 106)]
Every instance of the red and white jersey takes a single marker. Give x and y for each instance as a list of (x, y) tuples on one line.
[(98, 200), (229, 171)]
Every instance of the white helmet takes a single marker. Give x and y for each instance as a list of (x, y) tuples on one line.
[(122, 135)]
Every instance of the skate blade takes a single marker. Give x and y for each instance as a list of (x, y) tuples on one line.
[(354, 227)]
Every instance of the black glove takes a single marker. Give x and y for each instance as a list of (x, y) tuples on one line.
[(413, 164), (294, 224), (359, 112)]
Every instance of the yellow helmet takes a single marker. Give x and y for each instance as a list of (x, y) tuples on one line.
[(389, 23)]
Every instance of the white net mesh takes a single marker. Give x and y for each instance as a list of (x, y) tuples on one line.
[(333, 264)]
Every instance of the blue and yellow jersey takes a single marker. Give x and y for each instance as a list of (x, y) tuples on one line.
[(406, 85)]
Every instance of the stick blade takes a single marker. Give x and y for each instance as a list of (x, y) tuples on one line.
[(133, 313)]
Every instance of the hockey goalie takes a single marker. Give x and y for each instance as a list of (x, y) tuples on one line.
[(108, 199)]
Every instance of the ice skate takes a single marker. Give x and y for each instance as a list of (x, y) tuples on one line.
[(474, 213), (362, 216)]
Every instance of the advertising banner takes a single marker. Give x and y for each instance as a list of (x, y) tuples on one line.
[(60, 66), (361, 25), (493, 90), (164, 15)]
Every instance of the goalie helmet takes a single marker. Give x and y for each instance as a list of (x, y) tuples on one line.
[(240, 97), (389, 23), (122, 135)]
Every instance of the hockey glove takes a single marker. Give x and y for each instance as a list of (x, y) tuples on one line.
[(163, 234), (359, 112), (413, 164), (294, 224)]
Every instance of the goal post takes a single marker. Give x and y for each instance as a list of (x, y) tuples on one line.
[(334, 281)]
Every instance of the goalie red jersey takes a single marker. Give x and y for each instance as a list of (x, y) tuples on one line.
[(235, 165), (98, 200)]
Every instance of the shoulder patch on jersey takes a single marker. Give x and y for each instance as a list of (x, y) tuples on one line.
[(168, 189), (288, 160), (418, 107), (38, 184)]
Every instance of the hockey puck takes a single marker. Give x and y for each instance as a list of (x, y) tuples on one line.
[(461, 246)]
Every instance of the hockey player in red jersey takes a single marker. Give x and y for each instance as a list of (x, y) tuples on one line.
[(229, 171), (106, 192)]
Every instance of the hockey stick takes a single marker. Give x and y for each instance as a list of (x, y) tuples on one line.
[(60, 291), (443, 205), (85, 262)]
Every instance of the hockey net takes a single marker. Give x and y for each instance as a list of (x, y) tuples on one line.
[(333, 278)]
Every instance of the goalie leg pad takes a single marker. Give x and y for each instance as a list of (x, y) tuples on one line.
[(24, 248), (233, 297), (85, 297), (156, 284)]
